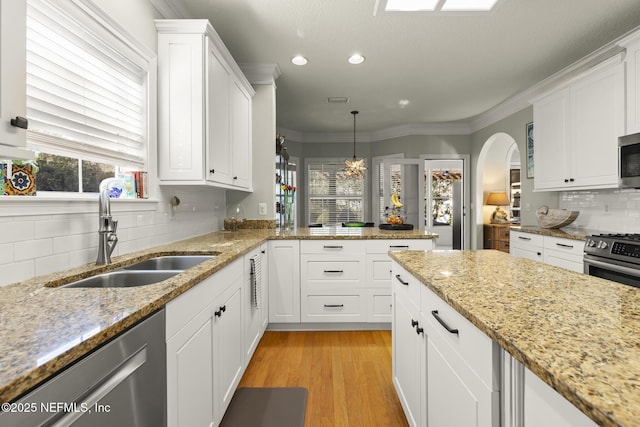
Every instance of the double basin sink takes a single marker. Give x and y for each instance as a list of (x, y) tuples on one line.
[(142, 273)]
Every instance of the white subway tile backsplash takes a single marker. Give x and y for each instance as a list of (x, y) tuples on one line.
[(31, 249), (16, 231), (17, 272), (51, 264), (605, 210), (38, 244)]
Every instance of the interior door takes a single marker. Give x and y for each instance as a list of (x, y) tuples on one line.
[(406, 178)]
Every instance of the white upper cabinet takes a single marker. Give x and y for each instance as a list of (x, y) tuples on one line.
[(576, 124), (13, 104), (204, 109)]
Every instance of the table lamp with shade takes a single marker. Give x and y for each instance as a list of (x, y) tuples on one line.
[(497, 199)]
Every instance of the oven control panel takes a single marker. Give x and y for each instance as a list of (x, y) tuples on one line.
[(626, 249)]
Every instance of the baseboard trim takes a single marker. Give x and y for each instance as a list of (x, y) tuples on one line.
[(329, 326)]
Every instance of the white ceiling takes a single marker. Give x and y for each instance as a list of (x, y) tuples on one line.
[(450, 67)]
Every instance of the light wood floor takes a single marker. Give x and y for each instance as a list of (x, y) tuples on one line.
[(347, 373)]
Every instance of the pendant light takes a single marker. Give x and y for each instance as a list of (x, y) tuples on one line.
[(354, 168)]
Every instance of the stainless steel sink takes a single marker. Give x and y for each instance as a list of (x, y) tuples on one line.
[(170, 262), (122, 279)]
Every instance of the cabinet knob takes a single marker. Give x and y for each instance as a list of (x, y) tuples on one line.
[(571, 179), (414, 323), (212, 171), (20, 122), (235, 177), (419, 331), (566, 180)]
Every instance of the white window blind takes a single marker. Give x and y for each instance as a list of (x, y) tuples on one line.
[(333, 197), (84, 97)]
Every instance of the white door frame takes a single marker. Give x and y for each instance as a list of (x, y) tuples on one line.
[(466, 188)]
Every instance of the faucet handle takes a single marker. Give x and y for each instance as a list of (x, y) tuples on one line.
[(114, 225)]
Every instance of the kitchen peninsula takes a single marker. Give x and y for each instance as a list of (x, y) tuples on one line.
[(578, 333), (46, 328)]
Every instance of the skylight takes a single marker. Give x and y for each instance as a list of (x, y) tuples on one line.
[(435, 5)]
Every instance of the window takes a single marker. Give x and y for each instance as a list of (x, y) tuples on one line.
[(333, 197), (86, 97)]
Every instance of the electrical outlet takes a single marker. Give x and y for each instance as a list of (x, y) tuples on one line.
[(527, 207), (262, 208)]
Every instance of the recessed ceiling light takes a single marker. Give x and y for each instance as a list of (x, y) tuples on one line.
[(403, 103), (468, 5), (299, 60), (356, 59), (410, 5), (338, 99)]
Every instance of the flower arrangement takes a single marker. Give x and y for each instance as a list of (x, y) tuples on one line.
[(288, 191)]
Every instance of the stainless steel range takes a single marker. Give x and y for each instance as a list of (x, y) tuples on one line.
[(614, 257)]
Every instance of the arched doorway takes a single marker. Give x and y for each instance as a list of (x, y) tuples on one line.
[(492, 174)]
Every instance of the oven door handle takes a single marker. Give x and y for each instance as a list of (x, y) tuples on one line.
[(613, 267)]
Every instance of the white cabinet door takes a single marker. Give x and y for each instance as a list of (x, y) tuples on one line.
[(597, 120), (284, 281), (253, 301), (543, 406), (229, 346), (579, 123), (632, 64), (408, 366), (180, 107), (218, 119), (552, 136), (12, 78), (190, 381), (241, 136), (450, 401)]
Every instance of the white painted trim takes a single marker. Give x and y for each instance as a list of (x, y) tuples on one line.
[(261, 74), (16, 206)]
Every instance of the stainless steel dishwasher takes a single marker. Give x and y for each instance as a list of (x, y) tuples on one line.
[(123, 383)]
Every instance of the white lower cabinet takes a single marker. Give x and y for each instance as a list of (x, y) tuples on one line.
[(205, 348), (255, 302), (284, 281), (409, 358), (561, 252), (543, 406), (445, 370)]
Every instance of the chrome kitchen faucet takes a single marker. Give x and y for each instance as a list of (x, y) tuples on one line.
[(107, 227)]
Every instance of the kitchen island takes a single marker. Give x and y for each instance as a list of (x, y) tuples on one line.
[(579, 334), (46, 328)]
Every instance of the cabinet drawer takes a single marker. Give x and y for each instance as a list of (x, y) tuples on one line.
[(503, 233), (526, 240), (465, 339), (570, 247), (503, 246), (337, 246), (405, 284), (376, 246), (378, 271), (379, 306), (333, 308), (327, 271)]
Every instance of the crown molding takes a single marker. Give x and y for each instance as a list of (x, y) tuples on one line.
[(261, 74)]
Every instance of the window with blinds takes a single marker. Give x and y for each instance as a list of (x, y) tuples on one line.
[(86, 89), (332, 196)]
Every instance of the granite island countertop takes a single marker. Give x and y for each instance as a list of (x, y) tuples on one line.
[(580, 334), (45, 328)]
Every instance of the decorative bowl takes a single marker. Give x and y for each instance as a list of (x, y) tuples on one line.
[(555, 218)]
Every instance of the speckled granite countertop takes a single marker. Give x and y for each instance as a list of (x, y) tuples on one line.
[(575, 233), (579, 333), (45, 328)]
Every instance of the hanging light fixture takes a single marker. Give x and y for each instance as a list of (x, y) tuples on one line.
[(354, 167)]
